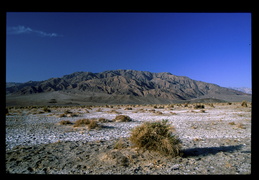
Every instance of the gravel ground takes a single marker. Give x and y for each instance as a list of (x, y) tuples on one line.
[(217, 141)]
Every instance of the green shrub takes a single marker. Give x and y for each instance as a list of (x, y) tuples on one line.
[(156, 136)]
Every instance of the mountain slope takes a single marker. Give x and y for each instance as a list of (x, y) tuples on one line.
[(242, 89), (141, 85)]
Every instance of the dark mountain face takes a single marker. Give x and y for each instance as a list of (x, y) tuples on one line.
[(125, 82)]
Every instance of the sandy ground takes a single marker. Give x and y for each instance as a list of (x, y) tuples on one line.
[(216, 140)]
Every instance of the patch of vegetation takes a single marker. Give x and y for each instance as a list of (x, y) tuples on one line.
[(65, 122), (156, 136), (122, 118), (93, 124), (244, 104), (90, 123), (46, 109), (199, 106), (120, 144), (158, 112), (103, 120), (241, 126), (99, 110), (68, 113), (81, 122), (113, 112), (232, 123), (128, 108)]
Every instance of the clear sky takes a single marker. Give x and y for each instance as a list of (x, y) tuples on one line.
[(210, 47)]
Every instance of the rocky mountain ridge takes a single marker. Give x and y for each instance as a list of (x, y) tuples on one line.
[(140, 84)]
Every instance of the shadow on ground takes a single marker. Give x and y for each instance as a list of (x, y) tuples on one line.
[(209, 150)]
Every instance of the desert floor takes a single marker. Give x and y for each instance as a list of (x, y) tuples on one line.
[(215, 140)]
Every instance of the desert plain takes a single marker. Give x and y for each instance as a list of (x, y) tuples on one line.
[(216, 139)]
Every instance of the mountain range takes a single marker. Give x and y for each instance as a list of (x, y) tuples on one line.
[(243, 89), (118, 87)]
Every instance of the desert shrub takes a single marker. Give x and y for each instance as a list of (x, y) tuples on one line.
[(86, 111), (241, 126), (93, 124), (152, 111), (103, 120), (120, 144), (156, 136), (113, 112), (99, 110), (211, 105), (62, 115), (244, 104), (81, 122), (67, 112), (46, 109), (232, 123), (128, 108), (171, 106), (122, 118), (90, 123), (65, 122), (158, 113), (73, 115), (199, 106)]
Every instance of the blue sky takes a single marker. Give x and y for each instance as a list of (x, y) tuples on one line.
[(210, 47)]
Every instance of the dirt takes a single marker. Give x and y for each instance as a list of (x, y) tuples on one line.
[(211, 143)]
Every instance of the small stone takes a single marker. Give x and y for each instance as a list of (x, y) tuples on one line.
[(175, 167)]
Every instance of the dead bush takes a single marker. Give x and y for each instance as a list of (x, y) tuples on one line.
[(65, 122), (90, 123), (81, 122), (244, 104), (113, 112), (103, 120), (158, 113), (68, 113), (241, 126), (199, 106), (120, 144), (156, 136), (122, 118), (232, 123), (93, 124), (62, 115), (46, 109)]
